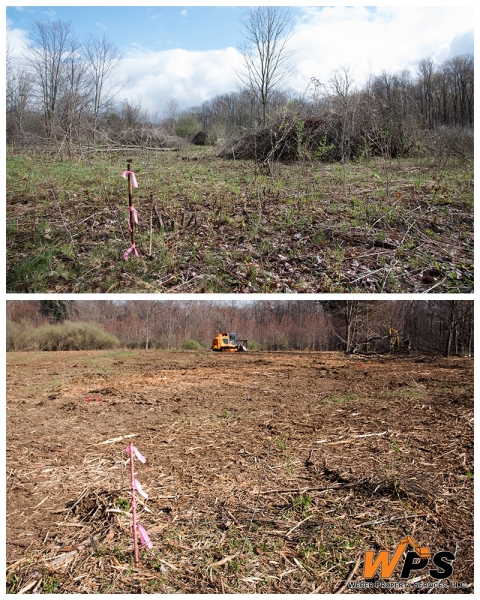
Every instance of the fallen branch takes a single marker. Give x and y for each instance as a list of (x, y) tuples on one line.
[(336, 486), (117, 439), (63, 557), (224, 560), (29, 586), (388, 520), (355, 437), (296, 490), (297, 525)]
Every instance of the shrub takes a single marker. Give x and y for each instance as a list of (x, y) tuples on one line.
[(448, 141), (74, 336), (187, 126), (20, 336), (256, 346), (191, 345)]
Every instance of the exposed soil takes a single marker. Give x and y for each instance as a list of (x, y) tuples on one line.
[(266, 472)]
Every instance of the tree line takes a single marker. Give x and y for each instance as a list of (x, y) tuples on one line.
[(64, 89), (351, 326)]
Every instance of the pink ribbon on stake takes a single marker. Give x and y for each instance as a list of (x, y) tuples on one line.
[(140, 457), (135, 217), (146, 541), (139, 489), (127, 252), (135, 485), (134, 180)]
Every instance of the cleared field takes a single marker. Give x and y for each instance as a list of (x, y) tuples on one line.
[(213, 225), (266, 473)]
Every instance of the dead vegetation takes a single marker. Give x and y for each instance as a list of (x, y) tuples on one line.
[(266, 473)]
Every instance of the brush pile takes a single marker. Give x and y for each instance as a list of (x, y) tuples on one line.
[(286, 140)]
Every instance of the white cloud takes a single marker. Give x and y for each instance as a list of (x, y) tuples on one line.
[(17, 40), (184, 12), (50, 14), (388, 38), (189, 77)]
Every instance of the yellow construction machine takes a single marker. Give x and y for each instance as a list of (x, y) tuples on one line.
[(228, 342), (398, 343)]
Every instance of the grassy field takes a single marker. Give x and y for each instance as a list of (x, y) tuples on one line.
[(213, 225)]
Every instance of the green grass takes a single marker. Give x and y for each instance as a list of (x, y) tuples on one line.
[(345, 399), (302, 503), (407, 394), (220, 226)]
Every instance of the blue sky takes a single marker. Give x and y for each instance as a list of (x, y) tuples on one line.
[(153, 28), (189, 53)]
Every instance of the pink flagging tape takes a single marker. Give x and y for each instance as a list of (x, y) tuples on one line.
[(135, 217), (134, 179), (146, 541), (140, 457), (139, 489), (127, 252), (135, 485)]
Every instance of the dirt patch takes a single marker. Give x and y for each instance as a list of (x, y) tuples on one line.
[(266, 472)]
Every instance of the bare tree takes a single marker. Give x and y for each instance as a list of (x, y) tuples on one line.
[(52, 44), (426, 77), (344, 106), (19, 87), (74, 95), (172, 112), (103, 59), (133, 117), (266, 56), (148, 312)]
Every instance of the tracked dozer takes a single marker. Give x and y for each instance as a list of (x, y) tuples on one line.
[(228, 342), (398, 343)]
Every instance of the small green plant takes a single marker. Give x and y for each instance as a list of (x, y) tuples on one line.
[(123, 504), (323, 148), (394, 446), (346, 398), (12, 584), (302, 503), (50, 585), (282, 444), (300, 131)]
